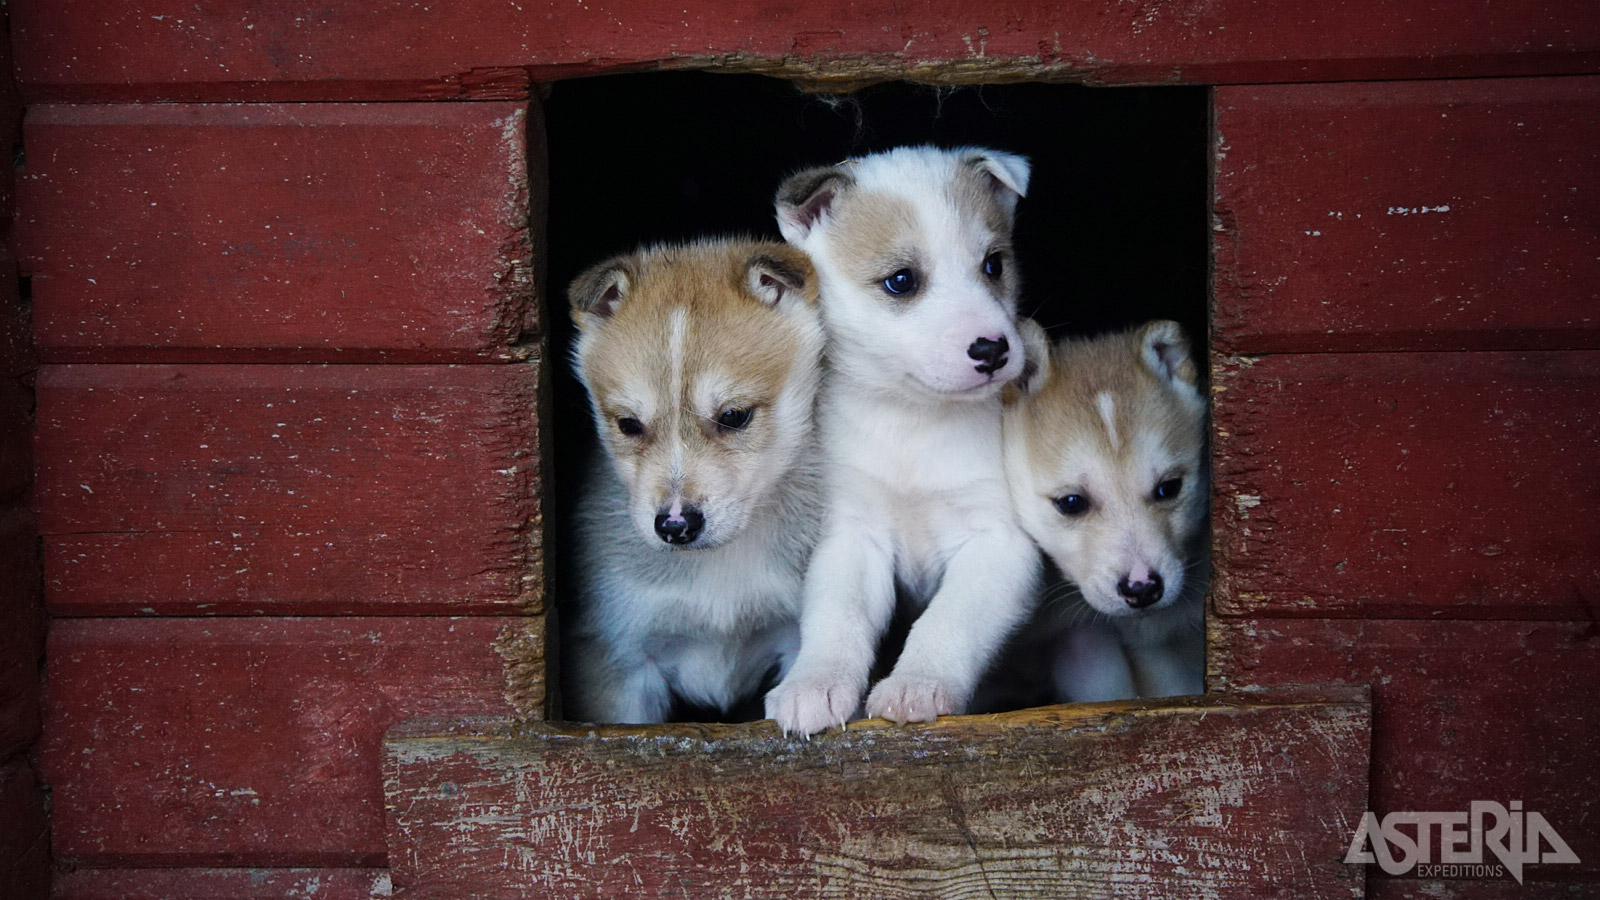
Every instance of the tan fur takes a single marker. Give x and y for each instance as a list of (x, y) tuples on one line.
[(731, 338), (1114, 427), (874, 234), (1062, 409), (672, 338)]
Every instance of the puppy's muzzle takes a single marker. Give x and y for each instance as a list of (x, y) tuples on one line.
[(1145, 592), (682, 528), (990, 353)]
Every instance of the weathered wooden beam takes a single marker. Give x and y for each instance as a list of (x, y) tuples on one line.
[(1442, 215), (1461, 711), (320, 490), (278, 233), (254, 741), (1237, 796), (243, 50), (1414, 485)]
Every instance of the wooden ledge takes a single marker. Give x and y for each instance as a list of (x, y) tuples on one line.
[(1236, 795)]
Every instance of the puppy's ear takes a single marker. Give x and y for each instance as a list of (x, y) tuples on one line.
[(1007, 174), (1036, 368), (601, 289), (1165, 352), (777, 273), (805, 199)]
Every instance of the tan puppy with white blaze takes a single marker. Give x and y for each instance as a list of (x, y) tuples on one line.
[(1105, 454), (702, 364), (919, 293)]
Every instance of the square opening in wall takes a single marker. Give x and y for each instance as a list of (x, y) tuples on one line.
[(1099, 238)]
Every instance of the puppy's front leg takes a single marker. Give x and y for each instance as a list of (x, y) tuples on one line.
[(603, 691), (1173, 669), (986, 592), (849, 596)]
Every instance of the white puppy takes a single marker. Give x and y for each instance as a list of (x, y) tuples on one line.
[(919, 292), (1106, 458), (702, 364)]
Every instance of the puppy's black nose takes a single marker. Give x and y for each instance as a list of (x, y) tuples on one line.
[(1140, 594), (682, 528), (990, 354)]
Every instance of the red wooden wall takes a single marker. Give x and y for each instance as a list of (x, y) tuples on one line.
[(288, 472), (1407, 414), (288, 459)]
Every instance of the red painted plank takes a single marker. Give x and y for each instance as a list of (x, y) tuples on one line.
[(24, 835), (1462, 711), (22, 624), (1400, 216), (1225, 797), (328, 232), (289, 489), (250, 741), (114, 49), (1408, 485), (222, 884)]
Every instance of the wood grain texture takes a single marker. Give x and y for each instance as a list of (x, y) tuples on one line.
[(1408, 216), (250, 490), (253, 742), (22, 626), (24, 834), (1228, 797), (281, 233), (117, 50), (222, 884), (1408, 485), (1462, 711)]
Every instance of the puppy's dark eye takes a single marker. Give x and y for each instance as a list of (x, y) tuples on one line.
[(1168, 490), (1072, 504), (734, 418), (903, 281), (630, 426), (994, 265)]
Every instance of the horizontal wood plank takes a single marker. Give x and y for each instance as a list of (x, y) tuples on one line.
[(114, 49), (1406, 216), (324, 232), (222, 884), (252, 742), (1408, 485), (335, 490), (1228, 797), (22, 627), (1462, 711)]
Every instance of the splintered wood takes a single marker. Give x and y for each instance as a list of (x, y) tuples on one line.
[(1226, 797)]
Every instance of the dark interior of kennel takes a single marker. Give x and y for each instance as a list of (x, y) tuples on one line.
[(1112, 232)]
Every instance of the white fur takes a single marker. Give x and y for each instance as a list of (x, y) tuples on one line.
[(912, 458)]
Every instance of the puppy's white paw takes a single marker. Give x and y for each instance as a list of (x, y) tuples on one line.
[(810, 705), (910, 698)]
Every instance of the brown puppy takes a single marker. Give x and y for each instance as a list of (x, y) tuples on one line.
[(702, 363)]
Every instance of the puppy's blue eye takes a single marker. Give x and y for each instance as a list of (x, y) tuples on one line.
[(994, 265), (630, 426), (1168, 490), (1072, 504), (903, 281), (734, 418)]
